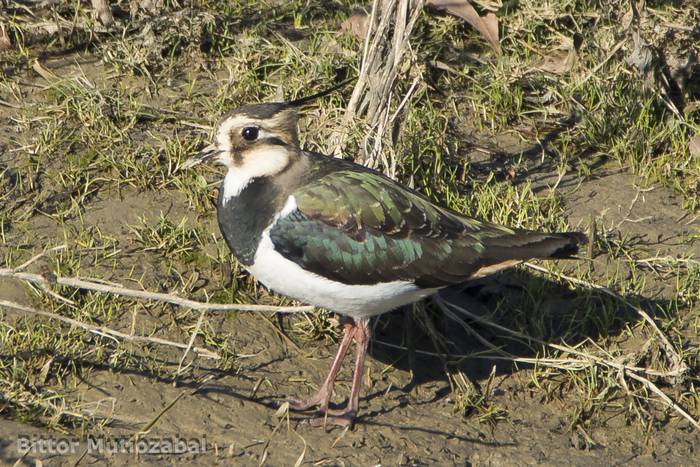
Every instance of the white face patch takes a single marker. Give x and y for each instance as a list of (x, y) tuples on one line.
[(264, 161)]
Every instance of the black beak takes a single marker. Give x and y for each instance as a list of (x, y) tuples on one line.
[(204, 155)]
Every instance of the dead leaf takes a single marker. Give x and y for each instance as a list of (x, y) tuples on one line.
[(562, 60), (666, 170), (103, 12), (635, 14), (282, 410), (558, 63), (150, 6), (44, 373), (44, 72), (683, 67), (5, 43), (694, 146), (642, 56), (357, 24), (486, 25)]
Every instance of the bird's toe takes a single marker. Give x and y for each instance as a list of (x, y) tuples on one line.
[(341, 418)]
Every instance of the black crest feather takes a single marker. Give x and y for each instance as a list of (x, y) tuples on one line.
[(306, 99)]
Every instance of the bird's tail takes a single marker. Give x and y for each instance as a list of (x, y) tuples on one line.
[(525, 245)]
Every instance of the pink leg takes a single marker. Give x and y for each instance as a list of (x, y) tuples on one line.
[(346, 416), (323, 396)]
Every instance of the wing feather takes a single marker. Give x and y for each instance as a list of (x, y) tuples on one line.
[(359, 227)]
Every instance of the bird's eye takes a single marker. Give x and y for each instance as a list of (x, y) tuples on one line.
[(250, 133)]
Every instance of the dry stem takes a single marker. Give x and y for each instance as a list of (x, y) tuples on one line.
[(143, 294), (110, 333), (383, 58)]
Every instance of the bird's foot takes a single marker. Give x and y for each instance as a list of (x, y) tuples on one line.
[(341, 418), (326, 417), (318, 401)]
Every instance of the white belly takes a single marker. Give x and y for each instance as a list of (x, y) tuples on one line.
[(359, 301)]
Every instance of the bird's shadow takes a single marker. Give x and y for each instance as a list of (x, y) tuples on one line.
[(538, 310)]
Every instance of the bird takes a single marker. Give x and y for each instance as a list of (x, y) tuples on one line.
[(337, 235)]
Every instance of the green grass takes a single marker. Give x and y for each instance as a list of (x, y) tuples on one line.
[(120, 128)]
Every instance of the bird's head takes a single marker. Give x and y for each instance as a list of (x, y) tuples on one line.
[(258, 140)]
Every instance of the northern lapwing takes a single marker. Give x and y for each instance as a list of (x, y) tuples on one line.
[(340, 236)]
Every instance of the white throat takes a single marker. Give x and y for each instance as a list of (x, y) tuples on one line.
[(233, 185), (266, 161)]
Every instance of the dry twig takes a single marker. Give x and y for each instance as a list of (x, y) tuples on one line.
[(107, 332), (143, 294), (384, 58)]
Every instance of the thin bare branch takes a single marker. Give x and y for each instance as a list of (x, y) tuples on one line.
[(30, 261), (107, 332), (197, 327), (145, 295)]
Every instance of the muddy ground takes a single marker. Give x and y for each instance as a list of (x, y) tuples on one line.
[(59, 381)]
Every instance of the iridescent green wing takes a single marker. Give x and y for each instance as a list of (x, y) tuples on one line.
[(359, 227)]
